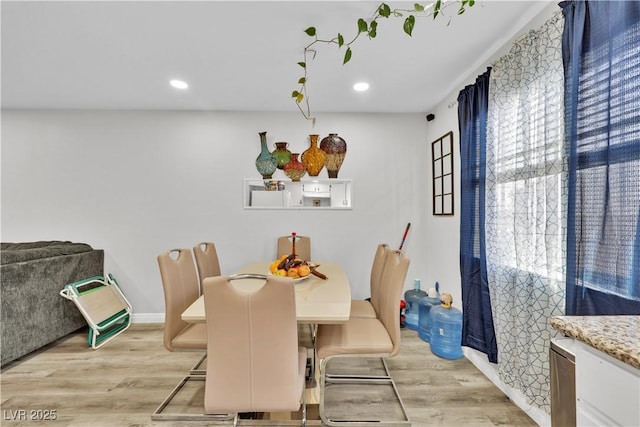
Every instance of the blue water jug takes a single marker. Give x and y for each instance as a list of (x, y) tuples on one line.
[(411, 312), (424, 313), (446, 329)]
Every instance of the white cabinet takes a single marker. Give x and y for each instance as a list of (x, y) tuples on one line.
[(607, 390), (305, 194)]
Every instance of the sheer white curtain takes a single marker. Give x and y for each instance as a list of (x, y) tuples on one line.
[(525, 215)]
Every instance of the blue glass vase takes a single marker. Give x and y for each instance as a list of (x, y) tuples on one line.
[(266, 163)]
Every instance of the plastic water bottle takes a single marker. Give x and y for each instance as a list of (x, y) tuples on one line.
[(424, 313), (411, 312), (446, 329)]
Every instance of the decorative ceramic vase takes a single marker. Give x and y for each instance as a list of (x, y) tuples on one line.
[(336, 149), (265, 163), (294, 169), (282, 154), (313, 157)]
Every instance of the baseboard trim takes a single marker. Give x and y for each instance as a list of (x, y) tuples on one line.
[(142, 318)]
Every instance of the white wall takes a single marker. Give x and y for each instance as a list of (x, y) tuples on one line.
[(138, 183), (443, 232)]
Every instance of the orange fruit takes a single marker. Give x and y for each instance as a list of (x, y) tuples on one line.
[(304, 270)]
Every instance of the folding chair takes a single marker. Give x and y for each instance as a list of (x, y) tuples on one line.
[(103, 306)]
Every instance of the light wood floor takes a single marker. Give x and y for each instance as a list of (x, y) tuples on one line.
[(122, 384)]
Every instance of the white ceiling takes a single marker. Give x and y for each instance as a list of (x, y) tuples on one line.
[(240, 55)]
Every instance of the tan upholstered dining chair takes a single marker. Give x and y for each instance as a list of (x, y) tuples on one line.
[(180, 285), (303, 246), (254, 362), (366, 337), (303, 250), (206, 260), (370, 309)]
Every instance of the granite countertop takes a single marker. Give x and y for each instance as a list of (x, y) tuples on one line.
[(617, 336)]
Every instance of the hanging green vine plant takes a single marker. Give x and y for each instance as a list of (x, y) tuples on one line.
[(370, 28)]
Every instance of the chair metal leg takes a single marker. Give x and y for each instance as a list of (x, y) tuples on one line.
[(358, 379), (314, 330), (311, 382), (199, 368), (159, 415), (304, 407), (384, 378)]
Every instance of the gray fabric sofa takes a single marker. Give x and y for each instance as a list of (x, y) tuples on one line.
[(32, 274)]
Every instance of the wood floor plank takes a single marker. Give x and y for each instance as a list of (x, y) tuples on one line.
[(122, 384)]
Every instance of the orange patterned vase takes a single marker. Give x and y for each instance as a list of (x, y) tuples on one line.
[(313, 157), (294, 170)]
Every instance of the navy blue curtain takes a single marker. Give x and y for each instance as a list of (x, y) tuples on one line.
[(601, 53), (477, 319)]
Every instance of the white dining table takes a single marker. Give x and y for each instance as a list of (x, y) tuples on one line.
[(318, 301)]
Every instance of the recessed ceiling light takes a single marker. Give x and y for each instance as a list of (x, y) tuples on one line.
[(178, 84), (361, 86)]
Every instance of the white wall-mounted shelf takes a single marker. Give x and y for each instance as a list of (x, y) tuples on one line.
[(304, 194)]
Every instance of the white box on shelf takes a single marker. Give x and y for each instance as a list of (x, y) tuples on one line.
[(267, 199)]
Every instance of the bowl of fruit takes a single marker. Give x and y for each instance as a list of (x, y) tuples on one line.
[(292, 266)]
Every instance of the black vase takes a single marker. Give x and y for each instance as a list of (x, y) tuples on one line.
[(336, 150)]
